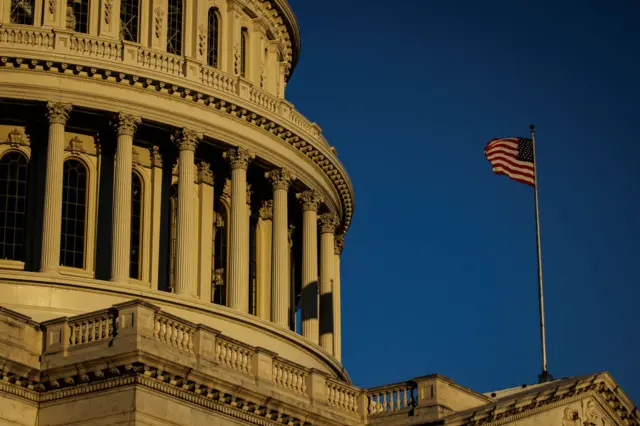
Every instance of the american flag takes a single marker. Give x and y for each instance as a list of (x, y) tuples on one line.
[(512, 157)]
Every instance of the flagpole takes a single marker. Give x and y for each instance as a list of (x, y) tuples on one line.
[(544, 376)]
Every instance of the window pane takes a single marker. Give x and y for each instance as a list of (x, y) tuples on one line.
[(22, 12), (174, 27), (72, 240), (244, 46), (13, 205), (78, 15), (129, 17), (213, 37)]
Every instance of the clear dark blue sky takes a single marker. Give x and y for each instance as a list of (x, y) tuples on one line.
[(439, 267)]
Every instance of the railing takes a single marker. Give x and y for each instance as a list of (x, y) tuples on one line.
[(96, 47), (219, 80), (390, 398), (263, 99), (342, 396), (92, 329), (161, 61), (233, 356), (290, 377), (26, 36), (173, 332)]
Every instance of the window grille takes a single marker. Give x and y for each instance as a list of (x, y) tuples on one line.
[(129, 20), (74, 197), (244, 47), (174, 27), (213, 40), (22, 12), (78, 15), (136, 226), (13, 205)]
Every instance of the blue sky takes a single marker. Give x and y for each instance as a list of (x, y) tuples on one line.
[(439, 267)]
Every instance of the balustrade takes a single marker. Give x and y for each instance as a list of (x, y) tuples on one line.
[(342, 396), (390, 398), (219, 80), (92, 329), (234, 356), (34, 38), (161, 61), (290, 377), (96, 47), (174, 332)]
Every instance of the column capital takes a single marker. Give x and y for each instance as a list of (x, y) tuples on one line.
[(186, 139), (328, 223), (266, 210), (239, 158), (310, 200), (338, 244), (280, 178), (205, 175), (58, 112), (126, 124)]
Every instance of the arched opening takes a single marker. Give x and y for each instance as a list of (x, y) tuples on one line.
[(129, 20), (74, 201), (244, 49), (136, 227), (14, 167), (213, 38), (22, 12), (174, 27)]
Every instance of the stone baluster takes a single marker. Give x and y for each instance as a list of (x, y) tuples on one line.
[(337, 311), (125, 125), (238, 287), (328, 224), (280, 284), (58, 114), (186, 273), (310, 201)]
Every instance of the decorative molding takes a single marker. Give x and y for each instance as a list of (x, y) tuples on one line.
[(186, 139), (239, 158), (52, 6), (328, 223), (108, 5), (202, 39), (280, 178), (266, 210), (236, 60), (249, 193), (310, 200), (17, 138), (156, 157), (205, 175), (338, 244), (158, 15), (226, 189), (126, 124), (75, 146), (58, 113)]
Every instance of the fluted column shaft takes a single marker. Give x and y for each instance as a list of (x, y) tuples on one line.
[(238, 288), (328, 224), (280, 277), (310, 201), (58, 114), (186, 239), (337, 310), (121, 238)]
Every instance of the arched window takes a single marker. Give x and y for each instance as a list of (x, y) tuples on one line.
[(129, 20), (13, 205), (174, 27), (74, 201), (213, 40), (244, 49), (173, 235), (78, 15), (253, 265), (220, 255), (136, 226), (22, 12)]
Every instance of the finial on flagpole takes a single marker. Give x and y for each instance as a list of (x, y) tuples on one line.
[(533, 128)]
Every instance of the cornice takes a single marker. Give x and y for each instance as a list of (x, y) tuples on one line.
[(325, 161)]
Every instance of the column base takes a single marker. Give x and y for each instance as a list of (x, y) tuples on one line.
[(50, 271)]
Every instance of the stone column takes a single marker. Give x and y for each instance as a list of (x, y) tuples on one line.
[(156, 213), (328, 224), (58, 115), (186, 274), (337, 310), (280, 284), (205, 233), (310, 201), (265, 227), (238, 286), (121, 238)]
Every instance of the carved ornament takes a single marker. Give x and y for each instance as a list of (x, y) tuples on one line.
[(202, 39), (205, 175), (75, 145), (249, 194), (226, 190), (310, 200), (328, 223), (338, 244), (126, 124), (280, 178), (156, 157), (292, 229), (108, 5), (266, 210), (52, 6), (158, 15), (17, 138), (186, 139), (58, 112), (239, 158)]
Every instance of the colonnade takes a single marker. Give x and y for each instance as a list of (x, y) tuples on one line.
[(320, 280)]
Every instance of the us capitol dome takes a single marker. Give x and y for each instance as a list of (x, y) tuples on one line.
[(171, 230)]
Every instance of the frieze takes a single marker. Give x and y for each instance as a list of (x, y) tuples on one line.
[(207, 100)]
